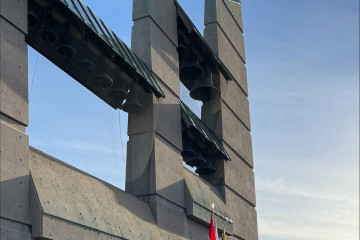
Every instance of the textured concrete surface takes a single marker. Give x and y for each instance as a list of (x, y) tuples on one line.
[(153, 46), (219, 12), (13, 73), (225, 50), (15, 12), (236, 135), (168, 172), (162, 115), (170, 218), (14, 174), (161, 12), (72, 197), (10, 230), (199, 197), (14, 143), (240, 177), (236, 12), (236, 100), (243, 215)]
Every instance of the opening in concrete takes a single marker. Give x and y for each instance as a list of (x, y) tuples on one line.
[(67, 120), (70, 123)]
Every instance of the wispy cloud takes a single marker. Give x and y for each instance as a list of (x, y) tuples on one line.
[(304, 211)]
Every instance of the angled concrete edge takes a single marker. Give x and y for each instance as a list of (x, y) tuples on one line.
[(199, 197)]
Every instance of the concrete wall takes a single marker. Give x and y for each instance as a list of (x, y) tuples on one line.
[(14, 143), (229, 116), (154, 163)]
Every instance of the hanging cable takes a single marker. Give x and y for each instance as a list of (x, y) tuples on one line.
[(121, 140), (37, 58)]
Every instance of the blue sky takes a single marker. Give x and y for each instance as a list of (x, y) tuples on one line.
[(303, 76)]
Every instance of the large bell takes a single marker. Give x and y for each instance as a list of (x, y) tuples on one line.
[(190, 69), (195, 160), (48, 33), (182, 49), (66, 48), (84, 66), (206, 169), (102, 81), (203, 89), (132, 104), (188, 149), (32, 17)]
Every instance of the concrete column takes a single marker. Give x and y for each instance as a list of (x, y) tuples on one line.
[(229, 115), (154, 163), (14, 117)]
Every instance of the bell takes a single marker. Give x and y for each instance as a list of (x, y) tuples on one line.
[(48, 33), (32, 17), (102, 81), (195, 160), (204, 90), (182, 49), (188, 148), (190, 68), (206, 169), (66, 49), (132, 104), (84, 66), (118, 95)]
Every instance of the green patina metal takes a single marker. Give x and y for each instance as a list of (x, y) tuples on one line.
[(98, 27), (200, 40), (192, 121)]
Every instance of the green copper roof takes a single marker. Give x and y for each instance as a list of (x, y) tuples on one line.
[(192, 121), (200, 40), (96, 25)]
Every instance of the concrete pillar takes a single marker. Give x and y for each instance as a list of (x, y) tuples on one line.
[(229, 115), (14, 117), (154, 163)]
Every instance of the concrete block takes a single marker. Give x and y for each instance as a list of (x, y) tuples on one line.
[(236, 12), (236, 135), (169, 217), (36, 213), (14, 231), (167, 118), (168, 172), (243, 215), (220, 10), (200, 196), (162, 12), (161, 115), (157, 51), (13, 73), (76, 198), (227, 53), (11, 122), (14, 174), (227, 24), (239, 176), (140, 157), (236, 99), (15, 12), (196, 230), (143, 121), (58, 229)]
